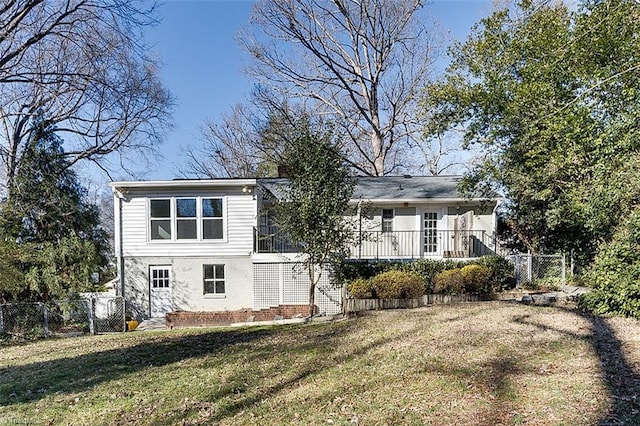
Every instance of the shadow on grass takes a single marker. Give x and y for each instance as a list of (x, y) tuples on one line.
[(622, 380), (241, 390), (620, 377), (254, 392), (29, 382)]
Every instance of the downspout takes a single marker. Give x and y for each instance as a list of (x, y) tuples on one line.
[(120, 252)]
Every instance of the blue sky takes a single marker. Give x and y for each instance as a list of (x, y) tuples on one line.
[(202, 63)]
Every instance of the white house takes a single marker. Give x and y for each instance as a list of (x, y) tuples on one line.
[(209, 246)]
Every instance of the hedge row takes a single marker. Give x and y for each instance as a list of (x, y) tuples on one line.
[(481, 276)]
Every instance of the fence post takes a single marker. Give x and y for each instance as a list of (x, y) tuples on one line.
[(92, 328), (564, 267), (124, 314), (45, 314), (1, 319)]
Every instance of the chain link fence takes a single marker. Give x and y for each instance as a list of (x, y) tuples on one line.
[(538, 270), (65, 317)]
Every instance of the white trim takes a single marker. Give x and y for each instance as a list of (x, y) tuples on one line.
[(123, 185), (173, 218)]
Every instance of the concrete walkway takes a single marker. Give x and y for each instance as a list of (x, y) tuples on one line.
[(152, 324)]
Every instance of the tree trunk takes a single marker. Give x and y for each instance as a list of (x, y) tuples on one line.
[(377, 142), (312, 288)]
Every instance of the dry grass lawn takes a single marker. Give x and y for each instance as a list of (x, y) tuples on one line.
[(476, 364)]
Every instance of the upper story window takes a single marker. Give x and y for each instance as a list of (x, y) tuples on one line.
[(160, 212), (387, 220), (186, 219), (194, 218), (212, 219)]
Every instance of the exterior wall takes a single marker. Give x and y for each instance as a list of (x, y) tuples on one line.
[(240, 220), (483, 217), (187, 283), (407, 239)]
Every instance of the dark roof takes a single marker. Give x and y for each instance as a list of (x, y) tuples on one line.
[(414, 187), (386, 187)]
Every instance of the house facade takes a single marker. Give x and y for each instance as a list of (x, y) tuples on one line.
[(212, 246)]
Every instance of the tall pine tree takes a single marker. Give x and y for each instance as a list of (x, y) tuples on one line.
[(49, 223)]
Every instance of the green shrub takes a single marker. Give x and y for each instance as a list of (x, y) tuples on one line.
[(349, 270), (397, 284), (360, 288), (502, 272), (449, 281), (428, 268), (501, 276), (476, 279), (615, 273)]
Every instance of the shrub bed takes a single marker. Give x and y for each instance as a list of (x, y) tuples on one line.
[(484, 275)]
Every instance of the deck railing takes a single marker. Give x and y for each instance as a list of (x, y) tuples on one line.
[(395, 245)]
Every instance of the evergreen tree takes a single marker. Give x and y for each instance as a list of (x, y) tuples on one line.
[(47, 219)]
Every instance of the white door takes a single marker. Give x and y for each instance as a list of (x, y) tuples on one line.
[(160, 291), (430, 228)]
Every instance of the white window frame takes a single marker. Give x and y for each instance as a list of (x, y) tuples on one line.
[(203, 218), (215, 280), (387, 222), (150, 219), (185, 219), (164, 281), (199, 218)]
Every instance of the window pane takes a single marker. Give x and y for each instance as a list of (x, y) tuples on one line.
[(208, 272), (209, 287), (186, 207), (212, 229), (187, 230), (160, 208), (387, 213), (211, 207), (160, 229), (220, 287), (220, 271)]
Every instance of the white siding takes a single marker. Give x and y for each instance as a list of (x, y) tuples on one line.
[(240, 220)]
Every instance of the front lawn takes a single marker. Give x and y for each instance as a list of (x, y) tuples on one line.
[(474, 364)]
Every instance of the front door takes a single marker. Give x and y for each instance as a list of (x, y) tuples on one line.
[(160, 291)]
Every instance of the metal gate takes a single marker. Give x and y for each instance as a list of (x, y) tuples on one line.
[(535, 269)]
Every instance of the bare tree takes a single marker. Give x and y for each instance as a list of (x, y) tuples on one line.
[(79, 65), (360, 61), (229, 148), (442, 154)]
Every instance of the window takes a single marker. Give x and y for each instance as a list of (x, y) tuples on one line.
[(430, 232), (212, 222), (387, 220), (192, 218), (160, 277), (160, 213), (213, 279), (186, 219)]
